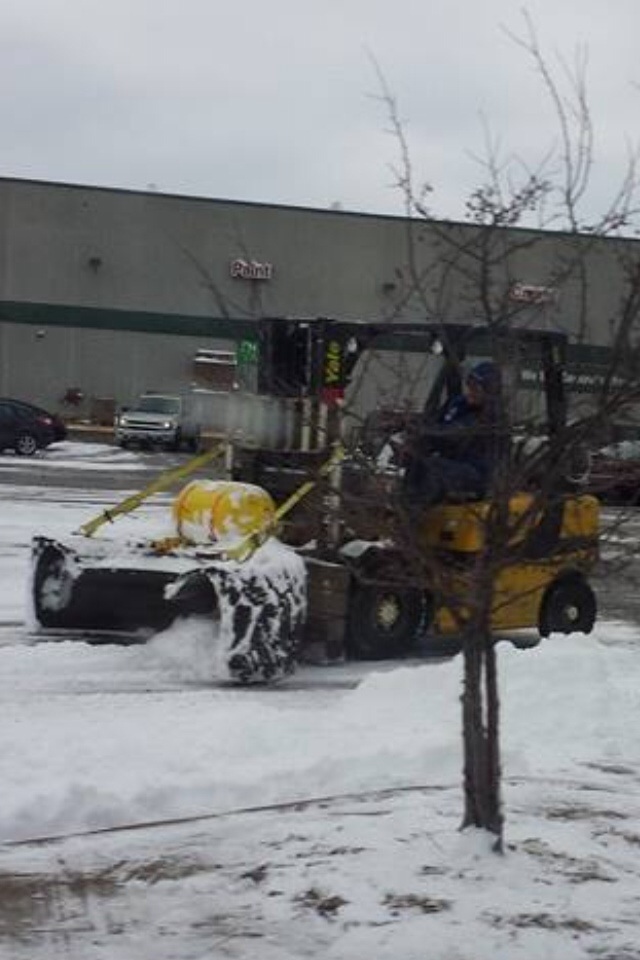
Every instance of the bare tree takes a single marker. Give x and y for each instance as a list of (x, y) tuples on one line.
[(476, 271)]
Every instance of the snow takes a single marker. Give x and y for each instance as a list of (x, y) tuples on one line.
[(317, 818), (68, 453)]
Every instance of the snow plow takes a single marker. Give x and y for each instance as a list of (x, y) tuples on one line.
[(220, 560)]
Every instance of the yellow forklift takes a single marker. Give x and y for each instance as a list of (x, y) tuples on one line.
[(379, 585)]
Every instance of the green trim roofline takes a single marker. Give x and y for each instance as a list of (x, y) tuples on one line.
[(229, 328), (98, 318)]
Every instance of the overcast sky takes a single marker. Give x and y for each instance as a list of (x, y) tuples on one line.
[(276, 101)]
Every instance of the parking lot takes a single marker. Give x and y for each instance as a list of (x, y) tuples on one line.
[(91, 465)]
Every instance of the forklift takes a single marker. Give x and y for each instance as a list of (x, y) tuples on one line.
[(377, 585)]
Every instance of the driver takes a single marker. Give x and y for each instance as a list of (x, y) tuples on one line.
[(457, 454)]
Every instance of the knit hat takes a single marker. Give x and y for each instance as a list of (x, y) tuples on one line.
[(486, 375)]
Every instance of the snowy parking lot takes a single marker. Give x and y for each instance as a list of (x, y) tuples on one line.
[(149, 811)]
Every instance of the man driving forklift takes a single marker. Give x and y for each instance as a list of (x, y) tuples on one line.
[(457, 454)]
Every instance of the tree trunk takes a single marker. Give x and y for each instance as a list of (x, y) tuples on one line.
[(481, 745)]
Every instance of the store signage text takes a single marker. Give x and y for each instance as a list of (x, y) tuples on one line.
[(250, 269), (579, 379), (532, 293)]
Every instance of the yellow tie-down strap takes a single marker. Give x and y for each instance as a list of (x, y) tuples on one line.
[(249, 544), (164, 482), (244, 548)]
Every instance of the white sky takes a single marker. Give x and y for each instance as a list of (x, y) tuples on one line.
[(277, 102)]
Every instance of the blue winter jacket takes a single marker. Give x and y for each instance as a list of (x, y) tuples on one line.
[(465, 433)]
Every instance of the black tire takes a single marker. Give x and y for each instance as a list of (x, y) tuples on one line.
[(52, 589), (525, 644), (568, 606), (175, 444), (384, 621), (26, 444)]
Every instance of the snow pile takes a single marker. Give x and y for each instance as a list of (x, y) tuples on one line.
[(90, 456), (94, 736), (104, 736)]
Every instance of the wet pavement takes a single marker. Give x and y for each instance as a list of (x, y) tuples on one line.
[(95, 466)]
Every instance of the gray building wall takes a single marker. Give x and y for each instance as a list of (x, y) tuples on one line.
[(114, 291), (148, 252), (41, 363)]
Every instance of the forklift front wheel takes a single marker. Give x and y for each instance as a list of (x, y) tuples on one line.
[(568, 606), (384, 621)]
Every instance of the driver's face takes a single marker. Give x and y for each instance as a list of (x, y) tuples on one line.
[(474, 392)]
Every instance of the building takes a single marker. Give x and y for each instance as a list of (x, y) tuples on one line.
[(106, 293)]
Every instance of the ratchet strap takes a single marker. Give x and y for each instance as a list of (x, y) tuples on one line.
[(164, 482), (249, 544)]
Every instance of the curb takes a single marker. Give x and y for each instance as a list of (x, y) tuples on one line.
[(94, 433)]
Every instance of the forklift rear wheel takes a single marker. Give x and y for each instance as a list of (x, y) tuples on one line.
[(384, 621), (569, 606)]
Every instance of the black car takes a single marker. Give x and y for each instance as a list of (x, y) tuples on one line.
[(59, 426), (26, 428)]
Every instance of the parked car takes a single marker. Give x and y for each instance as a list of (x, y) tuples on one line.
[(159, 420), (59, 426), (614, 474), (26, 428)]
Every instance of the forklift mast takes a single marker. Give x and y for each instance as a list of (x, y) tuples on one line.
[(313, 359), (306, 358)]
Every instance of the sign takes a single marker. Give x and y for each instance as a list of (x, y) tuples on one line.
[(577, 379), (246, 352), (250, 270), (532, 293), (333, 364), (333, 373)]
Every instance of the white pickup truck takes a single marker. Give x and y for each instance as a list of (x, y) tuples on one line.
[(166, 420)]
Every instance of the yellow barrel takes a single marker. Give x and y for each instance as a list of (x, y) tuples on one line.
[(221, 510)]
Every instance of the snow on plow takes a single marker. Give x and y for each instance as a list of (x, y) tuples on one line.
[(222, 560)]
